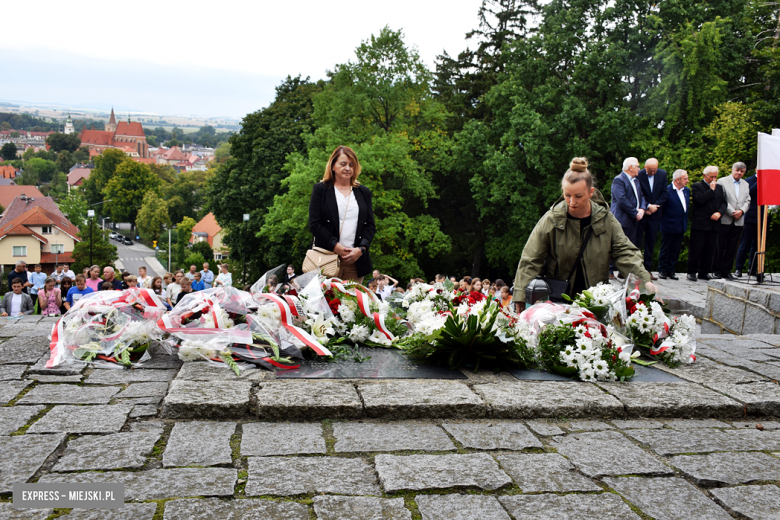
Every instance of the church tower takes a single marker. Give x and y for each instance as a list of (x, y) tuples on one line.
[(111, 125), (69, 125)]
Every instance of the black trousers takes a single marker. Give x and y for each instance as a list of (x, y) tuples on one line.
[(671, 244), (648, 234), (747, 246), (728, 243), (634, 234), (701, 251)]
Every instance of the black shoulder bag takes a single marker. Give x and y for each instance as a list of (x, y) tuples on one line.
[(560, 287)]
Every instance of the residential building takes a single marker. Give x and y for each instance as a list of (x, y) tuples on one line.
[(171, 156), (37, 236), (210, 231), (8, 172), (9, 193), (77, 176)]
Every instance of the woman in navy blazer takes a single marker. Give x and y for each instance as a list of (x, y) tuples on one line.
[(337, 227), (674, 223)]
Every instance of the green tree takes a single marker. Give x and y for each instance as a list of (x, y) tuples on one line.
[(65, 161), (382, 106), (204, 249), (59, 142), (94, 245), (105, 168), (127, 188), (8, 151), (152, 216), (733, 135), (59, 185), (44, 170), (183, 234), (81, 155), (74, 207), (185, 195), (195, 259), (5, 126)]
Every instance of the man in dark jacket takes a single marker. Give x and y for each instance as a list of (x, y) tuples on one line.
[(674, 223), (628, 205), (749, 243), (708, 205), (654, 183)]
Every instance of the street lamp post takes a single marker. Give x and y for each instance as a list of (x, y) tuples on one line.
[(91, 215), (246, 222)]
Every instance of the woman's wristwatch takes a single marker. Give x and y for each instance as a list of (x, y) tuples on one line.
[(362, 249)]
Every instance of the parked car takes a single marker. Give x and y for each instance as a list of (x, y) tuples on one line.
[(127, 241), (113, 235)]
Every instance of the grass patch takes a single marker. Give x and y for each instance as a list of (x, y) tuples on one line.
[(330, 439), (35, 418)]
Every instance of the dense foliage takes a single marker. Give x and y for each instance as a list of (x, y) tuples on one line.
[(463, 161)]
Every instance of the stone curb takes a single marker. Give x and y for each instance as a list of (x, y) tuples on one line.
[(317, 400)]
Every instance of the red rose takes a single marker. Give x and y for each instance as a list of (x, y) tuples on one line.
[(334, 305), (476, 296), (292, 292)]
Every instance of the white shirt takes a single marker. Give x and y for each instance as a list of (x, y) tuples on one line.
[(16, 305), (71, 275), (736, 188), (349, 228), (681, 194), (385, 292), (142, 281), (651, 180), (633, 186)]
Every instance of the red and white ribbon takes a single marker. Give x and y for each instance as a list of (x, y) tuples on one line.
[(286, 315)]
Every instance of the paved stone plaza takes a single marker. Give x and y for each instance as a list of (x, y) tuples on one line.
[(197, 442)]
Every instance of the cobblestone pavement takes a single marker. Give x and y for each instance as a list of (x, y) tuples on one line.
[(196, 442)]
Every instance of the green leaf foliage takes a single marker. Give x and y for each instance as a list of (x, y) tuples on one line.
[(95, 245), (125, 191)]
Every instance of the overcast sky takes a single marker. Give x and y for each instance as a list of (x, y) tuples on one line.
[(202, 57)]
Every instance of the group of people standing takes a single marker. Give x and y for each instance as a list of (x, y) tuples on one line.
[(644, 203)]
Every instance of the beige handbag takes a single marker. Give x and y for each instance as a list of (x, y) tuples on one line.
[(327, 262)]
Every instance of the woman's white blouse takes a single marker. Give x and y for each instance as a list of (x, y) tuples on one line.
[(348, 232), (226, 279)]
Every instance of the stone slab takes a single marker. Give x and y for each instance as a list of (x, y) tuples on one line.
[(420, 399), (163, 361), (369, 437), (752, 502), (431, 472), (748, 354), (22, 455), (360, 508), (729, 312), (568, 507), (493, 435), (82, 419), (199, 443), (126, 450), (67, 369), (11, 372), (148, 426), (129, 511), (47, 378), (667, 498), (598, 454), (728, 468), (14, 417), (672, 400), (704, 371), (287, 476), (120, 377), (760, 398), (11, 330), (769, 339), (263, 439), (308, 400), (153, 389), (22, 350), (531, 399), (632, 424), (69, 394), (217, 400), (8, 512), (143, 410), (687, 424), (460, 507), (728, 342), (209, 372), (592, 426), (548, 472), (152, 401), (674, 442), (159, 483), (10, 389), (545, 428), (767, 425), (215, 509)]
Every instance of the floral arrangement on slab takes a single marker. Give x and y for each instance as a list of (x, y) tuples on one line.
[(108, 327), (463, 332), (605, 301)]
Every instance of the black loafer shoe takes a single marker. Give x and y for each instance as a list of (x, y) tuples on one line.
[(728, 276), (738, 273), (691, 277), (673, 276), (662, 276), (713, 276), (704, 277)]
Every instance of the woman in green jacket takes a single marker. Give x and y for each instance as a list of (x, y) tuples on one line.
[(555, 242)]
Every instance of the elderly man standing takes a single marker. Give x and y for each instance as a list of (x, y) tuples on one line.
[(654, 183), (709, 204), (206, 276), (737, 192), (749, 243), (628, 205), (674, 223), (108, 276)]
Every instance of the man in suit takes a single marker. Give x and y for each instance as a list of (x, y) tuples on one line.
[(674, 223), (749, 243), (708, 205), (737, 192), (654, 184), (628, 205)]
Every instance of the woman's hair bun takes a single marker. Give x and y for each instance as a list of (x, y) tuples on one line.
[(579, 164)]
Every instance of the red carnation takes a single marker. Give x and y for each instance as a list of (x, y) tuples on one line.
[(334, 305), (476, 296)]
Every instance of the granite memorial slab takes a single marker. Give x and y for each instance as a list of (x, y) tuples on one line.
[(672, 400), (752, 502), (11, 372), (305, 400), (419, 399), (118, 377), (383, 364), (10, 389), (251, 509), (732, 468), (9, 512), (642, 374), (532, 399), (568, 507)]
